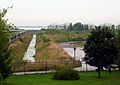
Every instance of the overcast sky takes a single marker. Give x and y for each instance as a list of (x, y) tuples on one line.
[(44, 12)]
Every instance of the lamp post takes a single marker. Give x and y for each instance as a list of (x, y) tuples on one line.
[(74, 48)]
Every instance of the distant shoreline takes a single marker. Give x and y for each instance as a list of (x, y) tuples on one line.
[(30, 28)]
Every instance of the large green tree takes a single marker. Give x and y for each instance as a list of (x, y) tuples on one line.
[(4, 47), (117, 39), (100, 49)]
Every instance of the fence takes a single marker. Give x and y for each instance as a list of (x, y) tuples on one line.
[(42, 66), (17, 37)]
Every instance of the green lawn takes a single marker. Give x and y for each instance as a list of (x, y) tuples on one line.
[(86, 78)]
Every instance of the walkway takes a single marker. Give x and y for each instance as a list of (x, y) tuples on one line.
[(29, 55)]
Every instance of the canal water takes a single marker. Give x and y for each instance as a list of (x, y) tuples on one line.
[(30, 53)]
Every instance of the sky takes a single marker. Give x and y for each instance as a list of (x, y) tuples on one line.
[(45, 12)]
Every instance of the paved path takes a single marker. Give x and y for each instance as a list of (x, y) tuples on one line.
[(30, 51), (33, 72)]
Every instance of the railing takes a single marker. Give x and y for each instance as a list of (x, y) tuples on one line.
[(42, 66), (18, 36)]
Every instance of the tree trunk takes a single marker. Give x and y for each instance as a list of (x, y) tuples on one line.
[(99, 72), (1, 80), (119, 64), (109, 70)]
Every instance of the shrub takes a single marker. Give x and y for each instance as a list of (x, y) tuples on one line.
[(66, 74)]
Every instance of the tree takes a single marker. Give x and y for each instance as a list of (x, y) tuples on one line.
[(78, 26), (5, 57), (117, 39), (70, 27), (100, 49)]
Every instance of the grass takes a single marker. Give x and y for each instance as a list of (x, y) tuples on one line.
[(18, 48), (47, 49), (86, 78), (64, 36), (52, 53)]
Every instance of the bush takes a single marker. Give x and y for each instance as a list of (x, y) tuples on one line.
[(66, 74)]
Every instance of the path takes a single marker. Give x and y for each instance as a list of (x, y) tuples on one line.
[(30, 51)]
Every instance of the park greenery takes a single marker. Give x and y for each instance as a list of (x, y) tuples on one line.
[(48, 40), (86, 78), (101, 46), (64, 36), (66, 73), (100, 49), (117, 41), (21, 46), (5, 57)]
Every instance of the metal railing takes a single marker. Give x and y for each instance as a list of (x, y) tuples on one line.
[(17, 36), (42, 66)]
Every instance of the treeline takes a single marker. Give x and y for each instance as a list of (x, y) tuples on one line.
[(78, 27)]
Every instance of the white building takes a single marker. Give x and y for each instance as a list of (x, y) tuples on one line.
[(58, 26)]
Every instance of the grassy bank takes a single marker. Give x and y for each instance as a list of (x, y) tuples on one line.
[(19, 47), (47, 49), (65, 36), (51, 53), (86, 78)]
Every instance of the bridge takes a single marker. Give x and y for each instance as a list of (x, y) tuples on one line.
[(18, 36), (73, 44)]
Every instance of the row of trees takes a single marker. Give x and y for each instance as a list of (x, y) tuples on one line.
[(77, 27), (102, 48)]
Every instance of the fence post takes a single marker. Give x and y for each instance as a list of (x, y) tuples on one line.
[(24, 67), (86, 67), (46, 66)]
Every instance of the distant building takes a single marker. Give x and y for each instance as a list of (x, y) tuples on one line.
[(91, 26), (51, 27), (118, 27), (58, 26)]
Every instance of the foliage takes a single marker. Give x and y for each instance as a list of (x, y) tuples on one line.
[(100, 48), (21, 46), (62, 36), (117, 40), (66, 73), (5, 58), (77, 27), (70, 27)]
